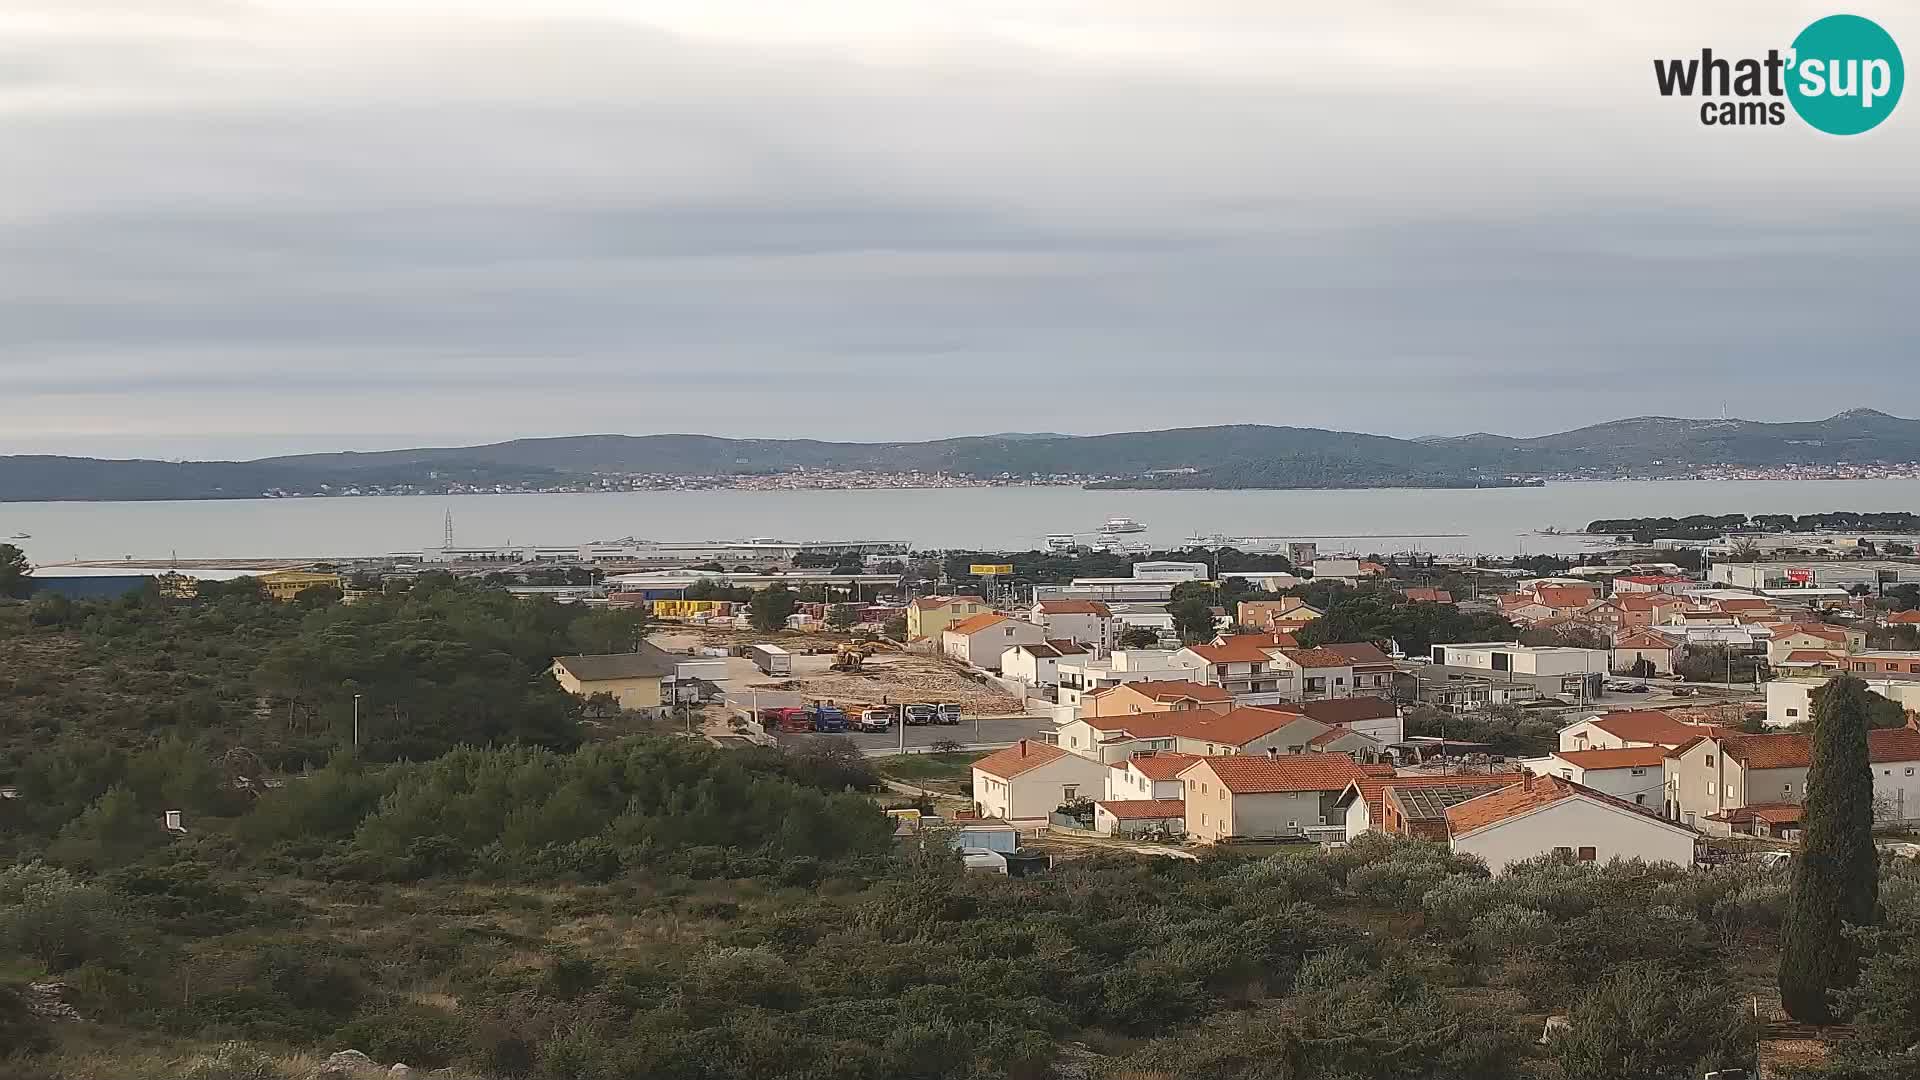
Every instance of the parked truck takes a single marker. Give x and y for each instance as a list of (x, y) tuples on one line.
[(771, 659), (828, 719), (791, 718)]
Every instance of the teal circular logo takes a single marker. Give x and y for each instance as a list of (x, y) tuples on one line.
[(1846, 75)]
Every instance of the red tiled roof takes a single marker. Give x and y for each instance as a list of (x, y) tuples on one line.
[(1565, 596), (976, 623), (1904, 616), (1317, 658), (1376, 769), (1819, 630), (1531, 793), (1771, 813), (1144, 809), (1643, 639), (1023, 756), (1259, 774), (1634, 601), (1160, 765), (929, 603), (1648, 726), (1241, 648), (1372, 787), (1075, 607), (1169, 690), (1339, 711), (1360, 653), (1633, 757), (1428, 596), (1793, 750), (1754, 604), (1815, 656)]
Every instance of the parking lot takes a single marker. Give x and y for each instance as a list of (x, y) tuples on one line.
[(985, 733)]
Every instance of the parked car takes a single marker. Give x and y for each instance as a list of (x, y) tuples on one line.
[(920, 715), (876, 720), (949, 713)]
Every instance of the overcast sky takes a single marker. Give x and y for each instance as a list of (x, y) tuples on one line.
[(241, 227)]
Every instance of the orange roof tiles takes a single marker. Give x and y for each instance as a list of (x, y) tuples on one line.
[(1815, 656), (1531, 793), (1144, 809), (1170, 690), (1648, 726), (1428, 596), (1904, 617), (1256, 774), (929, 603), (1242, 648), (1023, 756), (1634, 757), (1075, 607), (975, 624), (1340, 711), (1360, 653), (1819, 630), (1643, 639), (1771, 813), (1160, 765), (1566, 596), (1317, 658)]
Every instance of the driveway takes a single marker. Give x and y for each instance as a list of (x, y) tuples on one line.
[(985, 733)]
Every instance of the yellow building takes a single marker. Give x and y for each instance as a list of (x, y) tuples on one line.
[(928, 616), (288, 584), (635, 679)]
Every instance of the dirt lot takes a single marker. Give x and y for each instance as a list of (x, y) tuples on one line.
[(890, 678)]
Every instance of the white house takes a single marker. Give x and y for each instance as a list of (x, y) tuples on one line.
[(1635, 774), (1363, 802), (1084, 675), (1029, 780), (1790, 699), (1375, 717), (1039, 665), (980, 641), (1629, 727), (1089, 622), (1149, 774), (1544, 815)]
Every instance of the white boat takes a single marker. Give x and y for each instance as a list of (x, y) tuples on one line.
[(21, 536), (1122, 525), (1060, 542)]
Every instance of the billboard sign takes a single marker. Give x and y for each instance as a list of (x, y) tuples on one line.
[(990, 569), (1799, 575)]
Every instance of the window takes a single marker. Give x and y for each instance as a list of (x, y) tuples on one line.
[(1786, 789), (1793, 712), (1587, 854), (1323, 819), (1073, 740), (1636, 772), (1339, 680), (1709, 787), (1203, 819), (1563, 852), (1203, 787), (1068, 791), (1639, 800), (1909, 770), (1709, 761), (1223, 794)]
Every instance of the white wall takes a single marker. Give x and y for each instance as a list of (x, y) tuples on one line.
[(1037, 792), (1896, 790), (1576, 823), (1649, 787)]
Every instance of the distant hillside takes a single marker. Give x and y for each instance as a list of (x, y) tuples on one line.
[(1234, 456)]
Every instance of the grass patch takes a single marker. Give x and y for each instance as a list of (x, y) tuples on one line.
[(916, 768)]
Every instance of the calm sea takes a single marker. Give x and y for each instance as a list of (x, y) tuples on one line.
[(1490, 521)]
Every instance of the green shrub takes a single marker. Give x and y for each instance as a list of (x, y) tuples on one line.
[(1649, 1023), (231, 1061), (63, 924)]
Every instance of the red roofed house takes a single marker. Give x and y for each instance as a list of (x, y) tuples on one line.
[(1902, 618), (1772, 820), (1814, 660), (1310, 674), (1364, 806), (1631, 646), (1039, 665), (1088, 622), (1029, 780), (1378, 718), (1802, 636), (1716, 773), (1243, 664), (1637, 774), (1652, 583), (927, 616), (1290, 611), (1256, 795), (1155, 695), (1149, 774), (1630, 727), (1191, 731), (1550, 815), (1427, 596), (980, 640), (1133, 817), (1373, 670)]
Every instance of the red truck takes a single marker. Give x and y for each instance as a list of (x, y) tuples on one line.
[(788, 719)]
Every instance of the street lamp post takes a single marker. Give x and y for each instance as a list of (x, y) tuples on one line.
[(356, 721)]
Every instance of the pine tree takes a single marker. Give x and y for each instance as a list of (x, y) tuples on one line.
[(1836, 878)]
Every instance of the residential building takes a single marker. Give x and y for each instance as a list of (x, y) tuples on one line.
[(285, 585), (1884, 662), (1790, 697), (1340, 740), (1632, 648), (1089, 622), (1712, 774), (1818, 662), (1108, 590), (1152, 696), (1378, 718), (1776, 821), (1901, 618), (1629, 728), (928, 616), (1799, 637), (1192, 731), (981, 640), (1550, 815), (1344, 570), (1087, 674), (1311, 674), (1135, 817), (1244, 664), (1652, 583), (1029, 780), (1549, 670), (1427, 596), (633, 679), (1363, 803), (1150, 774), (1373, 670), (1258, 796), (1039, 665), (1635, 774), (1266, 614)]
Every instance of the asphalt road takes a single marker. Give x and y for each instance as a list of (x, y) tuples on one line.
[(986, 733)]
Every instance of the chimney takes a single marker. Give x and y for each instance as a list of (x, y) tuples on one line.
[(1023, 748), (1526, 779)]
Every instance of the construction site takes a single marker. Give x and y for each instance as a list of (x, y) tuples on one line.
[(831, 667)]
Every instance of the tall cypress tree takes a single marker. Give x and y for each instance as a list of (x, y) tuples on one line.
[(1836, 878)]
